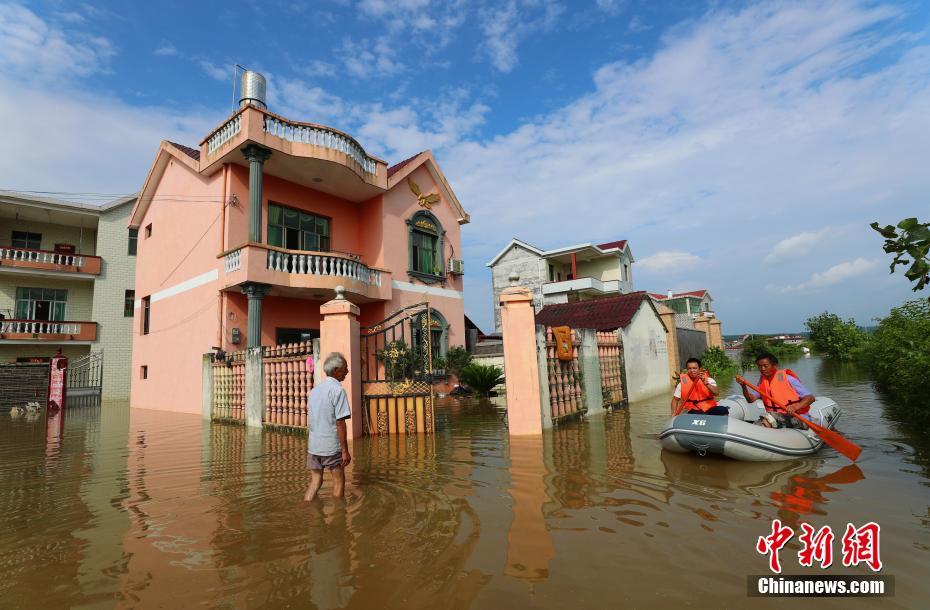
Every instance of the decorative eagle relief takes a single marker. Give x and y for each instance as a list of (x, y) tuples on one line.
[(425, 201)]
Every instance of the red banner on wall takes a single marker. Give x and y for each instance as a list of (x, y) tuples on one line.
[(57, 381)]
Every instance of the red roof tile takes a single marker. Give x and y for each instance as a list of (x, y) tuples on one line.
[(193, 153), (678, 295), (398, 166), (613, 244), (606, 313)]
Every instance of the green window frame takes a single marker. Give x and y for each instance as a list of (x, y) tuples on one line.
[(133, 241), (129, 304), (41, 304), (425, 244), (294, 229)]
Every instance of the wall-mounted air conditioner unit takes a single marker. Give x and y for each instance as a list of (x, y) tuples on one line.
[(456, 266)]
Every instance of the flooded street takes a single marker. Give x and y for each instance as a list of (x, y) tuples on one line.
[(149, 509)]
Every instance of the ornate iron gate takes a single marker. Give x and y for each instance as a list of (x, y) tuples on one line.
[(397, 372)]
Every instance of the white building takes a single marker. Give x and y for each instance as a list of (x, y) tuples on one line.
[(67, 274), (563, 275)]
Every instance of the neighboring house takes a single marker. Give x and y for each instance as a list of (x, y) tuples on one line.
[(563, 275), (686, 305), (67, 272), (243, 238), (645, 347)]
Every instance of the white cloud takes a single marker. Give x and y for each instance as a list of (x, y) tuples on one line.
[(214, 71), (638, 25), (33, 49), (507, 24), (835, 274), (611, 7), (166, 49), (366, 59), (667, 260), (797, 246), (78, 142)]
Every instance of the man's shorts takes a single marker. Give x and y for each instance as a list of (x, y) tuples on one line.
[(319, 462), (786, 421)]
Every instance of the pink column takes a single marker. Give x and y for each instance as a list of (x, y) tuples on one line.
[(521, 366), (339, 332)]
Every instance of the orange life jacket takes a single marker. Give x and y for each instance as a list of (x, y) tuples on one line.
[(780, 389), (698, 398)]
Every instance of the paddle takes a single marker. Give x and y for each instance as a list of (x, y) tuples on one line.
[(681, 407), (830, 437)]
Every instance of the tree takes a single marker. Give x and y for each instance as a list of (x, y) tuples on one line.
[(898, 353), (834, 338), (457, 359), (912, 241)]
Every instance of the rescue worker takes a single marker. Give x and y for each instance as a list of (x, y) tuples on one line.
[(785, 387), (698, 388)]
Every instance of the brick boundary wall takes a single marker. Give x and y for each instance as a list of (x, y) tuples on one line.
[(21, 383)]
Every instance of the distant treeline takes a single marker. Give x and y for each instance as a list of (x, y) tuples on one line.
[(897, 351)]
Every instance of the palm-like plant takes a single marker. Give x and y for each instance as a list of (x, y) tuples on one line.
[(480, 378)]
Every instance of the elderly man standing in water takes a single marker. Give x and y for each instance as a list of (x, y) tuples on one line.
[(328, 446)]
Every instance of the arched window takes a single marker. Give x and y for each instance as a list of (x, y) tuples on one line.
[(426, 235), (438, 333)]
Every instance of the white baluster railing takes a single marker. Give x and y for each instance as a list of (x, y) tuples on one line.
[(322, 265), (39, 327), (224, 134), (320, 136), (41, 256), (232, 261)]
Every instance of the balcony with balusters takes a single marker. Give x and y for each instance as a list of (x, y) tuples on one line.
[(45, 262), (38, 331), (305, 274), (314, 155)]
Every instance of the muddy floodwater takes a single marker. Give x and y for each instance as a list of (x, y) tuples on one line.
[(148, 509)]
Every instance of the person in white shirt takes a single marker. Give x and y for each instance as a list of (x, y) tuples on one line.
[(698, 389), (328, 445)]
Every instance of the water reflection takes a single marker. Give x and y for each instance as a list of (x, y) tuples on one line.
[(529, 543), (155, 509)]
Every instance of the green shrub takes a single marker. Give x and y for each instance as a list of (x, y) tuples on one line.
[(717, 363), (834, 338), (898, 354), (457, 358), (756, 345), (480, 378)]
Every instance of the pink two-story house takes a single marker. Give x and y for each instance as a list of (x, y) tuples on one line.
[(243, 238)]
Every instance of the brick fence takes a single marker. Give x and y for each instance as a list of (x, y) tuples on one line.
[(21, 383)]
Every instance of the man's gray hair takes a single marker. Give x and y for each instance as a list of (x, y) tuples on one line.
[(334, 361)]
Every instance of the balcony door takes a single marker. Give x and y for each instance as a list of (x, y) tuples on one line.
[(46, 304), (297, 230)]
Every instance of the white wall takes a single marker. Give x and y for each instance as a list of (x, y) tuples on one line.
[(645, 352), (114, 330)]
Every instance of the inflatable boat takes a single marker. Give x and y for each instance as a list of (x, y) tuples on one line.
[(736, 436)]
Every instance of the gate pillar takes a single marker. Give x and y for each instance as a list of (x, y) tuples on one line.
[(339, 332), (521, 366), (668, 320)]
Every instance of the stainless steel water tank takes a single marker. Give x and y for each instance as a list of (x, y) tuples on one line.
[(253, 89)]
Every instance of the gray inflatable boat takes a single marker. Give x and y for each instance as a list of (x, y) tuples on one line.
[(736, 435)]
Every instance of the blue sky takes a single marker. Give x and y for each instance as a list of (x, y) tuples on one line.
[(740, 147)]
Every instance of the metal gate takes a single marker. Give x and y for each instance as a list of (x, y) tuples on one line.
[(85, 375), (397, 372)]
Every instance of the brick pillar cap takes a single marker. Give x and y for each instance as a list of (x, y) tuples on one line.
[(516, 294), (339, 304)]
